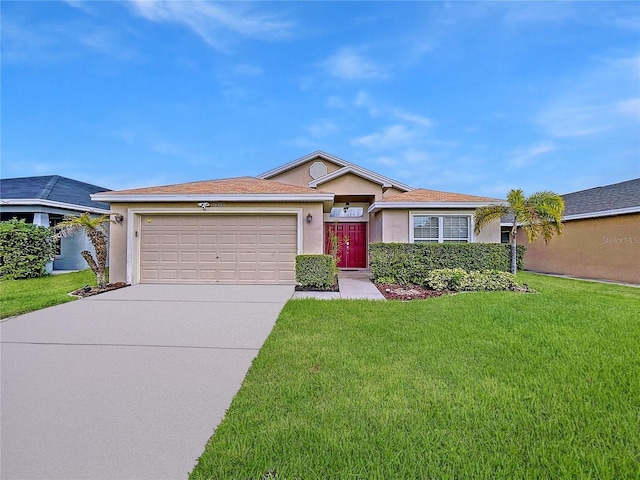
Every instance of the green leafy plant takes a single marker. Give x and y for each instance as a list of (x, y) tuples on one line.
[(410, 263), (315, 270), (96, 230), (538, 214), (457, 280), (25, 249)]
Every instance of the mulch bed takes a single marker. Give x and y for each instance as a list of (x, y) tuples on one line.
[(89, 291), (408, 292)]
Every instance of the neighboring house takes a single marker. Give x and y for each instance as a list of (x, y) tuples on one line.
[(45, 201), (249, 230), (601, 236)]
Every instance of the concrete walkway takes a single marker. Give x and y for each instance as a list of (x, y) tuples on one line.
[(354, 284), (129, 384)]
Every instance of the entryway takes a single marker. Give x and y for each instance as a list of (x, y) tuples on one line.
[(352, 243)]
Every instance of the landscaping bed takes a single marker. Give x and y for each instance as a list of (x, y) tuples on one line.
[(88, 291), (408, 292)]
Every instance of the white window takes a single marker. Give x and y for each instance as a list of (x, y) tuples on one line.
[(441, 228), (350, 212)]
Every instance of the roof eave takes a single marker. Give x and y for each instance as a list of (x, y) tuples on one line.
[(54, 204), (300, 161), (384, 182), (377, 206), (208, 197)]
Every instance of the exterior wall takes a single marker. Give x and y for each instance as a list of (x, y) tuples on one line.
[(350, 184), (395, 226), (375, 227), (391, 192), (312, 233), (489, 234), (300, 175), (600, 248)]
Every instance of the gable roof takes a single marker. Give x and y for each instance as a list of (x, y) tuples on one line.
[(423, 198), (623, 197), (53, 191), (346, 167), (229, 189), (301, 161)]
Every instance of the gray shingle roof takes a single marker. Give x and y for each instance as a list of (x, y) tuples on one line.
[(51, 187), (599, 199)]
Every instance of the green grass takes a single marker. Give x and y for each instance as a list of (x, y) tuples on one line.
[(475, 385), (22, 296)]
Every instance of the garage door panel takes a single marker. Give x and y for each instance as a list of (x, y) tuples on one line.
[(218, 248), (188, 239), (208, 239)]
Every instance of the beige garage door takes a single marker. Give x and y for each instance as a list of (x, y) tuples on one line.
[(210, 248)]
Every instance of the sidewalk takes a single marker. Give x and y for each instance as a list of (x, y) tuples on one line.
[(354, 284)]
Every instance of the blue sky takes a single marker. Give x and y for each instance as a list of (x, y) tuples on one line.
[(466, 97)]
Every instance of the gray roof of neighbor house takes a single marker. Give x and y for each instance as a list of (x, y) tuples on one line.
[(52, 188), (617, 196), (614, 199)]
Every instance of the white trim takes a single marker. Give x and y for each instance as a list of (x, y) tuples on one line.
[(377, 206), (134, 218), (587, 215), (603, 213), (440, 215), (301, 161), (363, 173), (209, 197), (52, 203)]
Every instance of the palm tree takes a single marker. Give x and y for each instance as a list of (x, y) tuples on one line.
[(538, 214), (95, 229)]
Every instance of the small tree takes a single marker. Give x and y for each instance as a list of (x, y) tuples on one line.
[(25, 249), (95, 229), (538, 214)]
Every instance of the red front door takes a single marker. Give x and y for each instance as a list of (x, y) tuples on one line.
[(352, 243)]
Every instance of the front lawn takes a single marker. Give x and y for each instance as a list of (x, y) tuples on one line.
[(22, 296), (474, 385)]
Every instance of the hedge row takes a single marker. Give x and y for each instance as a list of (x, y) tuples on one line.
[(405, 263), (315, 270), (459, 280), (25, 249)]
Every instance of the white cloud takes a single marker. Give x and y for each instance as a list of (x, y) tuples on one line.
[(390, 136), (521, 158), (418, 119), (213, 21), (348, 64)]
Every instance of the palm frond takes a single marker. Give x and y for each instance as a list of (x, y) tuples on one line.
[(486, 215)]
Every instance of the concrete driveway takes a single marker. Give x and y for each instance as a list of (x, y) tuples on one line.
[(129, 384)]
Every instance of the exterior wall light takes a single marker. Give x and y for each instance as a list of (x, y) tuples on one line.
[(204, 205), (118, 218), (309, 218), (346, 207)]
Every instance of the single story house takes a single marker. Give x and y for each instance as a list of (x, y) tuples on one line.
[(249, 229), (601, 236), (45, 200)]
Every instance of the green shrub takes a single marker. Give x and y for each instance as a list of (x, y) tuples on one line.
[(25, 249), (315, 270), (411, 262), (458, 280)]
